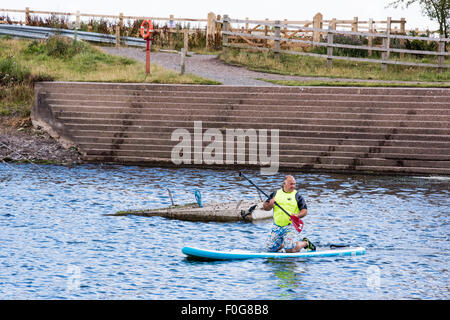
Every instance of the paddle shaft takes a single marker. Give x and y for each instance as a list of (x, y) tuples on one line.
[(242, 175)]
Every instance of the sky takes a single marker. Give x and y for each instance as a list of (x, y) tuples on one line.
[(237, 9)]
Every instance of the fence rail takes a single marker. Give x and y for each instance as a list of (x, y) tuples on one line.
[(121, 16), (277, 39)]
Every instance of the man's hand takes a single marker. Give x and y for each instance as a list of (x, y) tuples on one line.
[(268, 205), (302, 213)]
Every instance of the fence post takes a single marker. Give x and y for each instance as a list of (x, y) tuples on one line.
[(441, 49), (225, 36), (77, 24), (169, 34), (370, 39), (384, 54), (27, 16), (285, 30), (355, 24), (77, 19), (388, 32), (218, 34), (330, 38), (317, 24), (403, 25), (210, 30), (121, 20), (117, 36), (184, 51), (403, 32), (266, 32), (276, 45)]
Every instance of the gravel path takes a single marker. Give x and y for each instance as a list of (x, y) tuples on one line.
[(206, 66), (210, 67)]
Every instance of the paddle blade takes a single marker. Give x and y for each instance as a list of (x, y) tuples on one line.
[(297, 222)]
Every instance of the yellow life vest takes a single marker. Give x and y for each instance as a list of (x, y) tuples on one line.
[(289, 203)]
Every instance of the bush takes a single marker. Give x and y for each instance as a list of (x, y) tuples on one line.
[(36, 47), (62, 47), (12, 72), (343, 39), (423, 45), (57, 46), (52, 21)]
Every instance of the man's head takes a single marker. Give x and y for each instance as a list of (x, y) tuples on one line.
[(289, 184)]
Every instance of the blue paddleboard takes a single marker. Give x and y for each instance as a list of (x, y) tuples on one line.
[(244, 254)]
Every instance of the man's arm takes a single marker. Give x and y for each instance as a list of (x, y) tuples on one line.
[(301, 203), (268, 204), (302, 213)]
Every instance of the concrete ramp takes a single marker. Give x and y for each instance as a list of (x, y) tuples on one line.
[(376, 130)]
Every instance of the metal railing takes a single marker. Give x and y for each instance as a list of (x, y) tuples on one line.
[(21, 31)]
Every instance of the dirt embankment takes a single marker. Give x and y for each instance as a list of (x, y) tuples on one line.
[(21, 142)]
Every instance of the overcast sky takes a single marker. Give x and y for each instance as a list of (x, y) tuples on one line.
[(260, 9)]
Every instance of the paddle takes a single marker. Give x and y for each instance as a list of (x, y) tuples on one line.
[(296, 221)]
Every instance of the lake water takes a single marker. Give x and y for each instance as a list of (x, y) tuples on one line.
[(56, 242)]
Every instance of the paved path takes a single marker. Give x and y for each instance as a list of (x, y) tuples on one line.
[(210, 67)]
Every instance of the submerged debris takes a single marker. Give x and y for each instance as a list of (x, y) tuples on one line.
[(222, 212)]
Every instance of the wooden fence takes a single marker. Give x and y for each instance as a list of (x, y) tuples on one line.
[(273, 43), (119, 21), (312, 30), (371, 25)]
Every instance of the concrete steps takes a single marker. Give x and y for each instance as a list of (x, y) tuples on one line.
[(382, 130), (150, 106), (379, 133), (134, 101), (301, 155), (231, 97), (318, 125), (386, 121), (144, 88), (118, 112), (99, 142)]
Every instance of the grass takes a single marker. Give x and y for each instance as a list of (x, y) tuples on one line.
[(23, 62), (288, 64)]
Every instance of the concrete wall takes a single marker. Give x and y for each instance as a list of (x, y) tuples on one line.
[(381, 130)]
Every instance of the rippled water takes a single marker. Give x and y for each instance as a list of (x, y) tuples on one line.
[(56, 243)]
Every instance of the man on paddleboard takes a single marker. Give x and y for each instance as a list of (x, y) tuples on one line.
[(283, 234)]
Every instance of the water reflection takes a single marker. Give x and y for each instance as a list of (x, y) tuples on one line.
[(289, 274)]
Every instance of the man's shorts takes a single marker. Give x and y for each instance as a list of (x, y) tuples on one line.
[(287, 235)]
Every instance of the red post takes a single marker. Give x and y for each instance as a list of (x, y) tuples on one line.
[(146, 33), (147, 58)]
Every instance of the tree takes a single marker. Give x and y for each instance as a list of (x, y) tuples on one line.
[(437, 10)]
